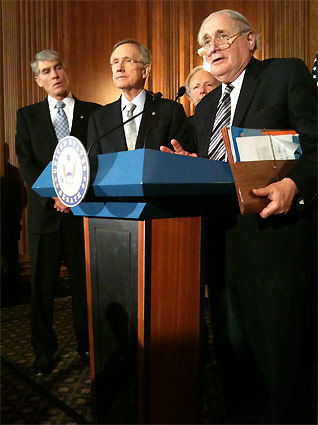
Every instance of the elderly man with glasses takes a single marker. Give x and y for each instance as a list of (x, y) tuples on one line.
[(262, 267), (161, 121)]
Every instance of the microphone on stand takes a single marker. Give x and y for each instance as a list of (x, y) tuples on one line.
[(155, 99), (180, 93)]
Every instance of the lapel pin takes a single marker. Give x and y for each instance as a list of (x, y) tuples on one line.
[(153, 113)]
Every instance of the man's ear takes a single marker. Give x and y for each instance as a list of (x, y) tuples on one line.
[(146, 71), (38, 81), (251, 40)]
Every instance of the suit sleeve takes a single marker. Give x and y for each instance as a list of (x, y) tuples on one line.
[(30, 168), (180, 129), (302, 109)]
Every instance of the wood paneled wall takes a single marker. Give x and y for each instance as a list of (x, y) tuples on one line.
[(85, 31)]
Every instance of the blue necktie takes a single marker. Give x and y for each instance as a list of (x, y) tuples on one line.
[(61, 123)]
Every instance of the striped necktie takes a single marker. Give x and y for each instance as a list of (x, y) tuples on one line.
[(61, 122), (217, 149), (130, 128)]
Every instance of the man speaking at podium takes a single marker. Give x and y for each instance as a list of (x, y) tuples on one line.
[(161, 121), (54, 231), (262, 267)]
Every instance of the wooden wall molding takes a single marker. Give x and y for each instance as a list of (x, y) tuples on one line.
[(287, 29)]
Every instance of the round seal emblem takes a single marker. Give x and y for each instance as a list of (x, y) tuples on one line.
[(70, 171)]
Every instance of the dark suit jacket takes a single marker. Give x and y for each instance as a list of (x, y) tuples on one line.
[(275, 94), (35, 145), (165, 121)]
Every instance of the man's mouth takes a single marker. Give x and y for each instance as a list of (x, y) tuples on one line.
[(216, 60)]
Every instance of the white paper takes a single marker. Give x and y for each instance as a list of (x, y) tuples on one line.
[(266, 147)]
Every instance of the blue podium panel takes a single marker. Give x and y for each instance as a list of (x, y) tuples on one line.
[(145, 183), (43, 186), (146, 172)]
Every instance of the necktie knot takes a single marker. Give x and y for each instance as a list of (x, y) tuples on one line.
[(130, 109), (227, 90), (60, 104)]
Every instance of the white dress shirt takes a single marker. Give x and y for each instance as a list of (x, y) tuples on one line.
[(237, 84), (69, 108), (139, 101)]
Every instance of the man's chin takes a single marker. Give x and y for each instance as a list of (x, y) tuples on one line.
[(60, 93)]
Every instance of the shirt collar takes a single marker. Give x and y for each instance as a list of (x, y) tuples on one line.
[(237, 84), (139, 100), (68, 100)]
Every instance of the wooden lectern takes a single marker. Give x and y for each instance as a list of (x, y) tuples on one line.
[(143, 242)]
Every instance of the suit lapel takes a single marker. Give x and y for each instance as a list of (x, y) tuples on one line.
[(247, 92), (207, 122), (46, 125), (78, 118), (147, 121), (115, 118)]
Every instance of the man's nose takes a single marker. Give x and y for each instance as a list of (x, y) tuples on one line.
[(54, 73), (213, 47)]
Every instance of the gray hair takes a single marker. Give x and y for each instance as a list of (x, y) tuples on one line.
[(192, 73), (242, 23), (145, 54), (45, 55)]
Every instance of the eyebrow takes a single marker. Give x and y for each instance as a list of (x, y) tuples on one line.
[(48, 68), (217, 32)]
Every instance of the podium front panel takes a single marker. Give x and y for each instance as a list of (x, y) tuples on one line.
[(144, 297)]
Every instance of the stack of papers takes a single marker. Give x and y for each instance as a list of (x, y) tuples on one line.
[(262, 145)]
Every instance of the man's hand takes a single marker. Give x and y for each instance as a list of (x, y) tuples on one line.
[(59, 206), (281, 194), (178, 149)]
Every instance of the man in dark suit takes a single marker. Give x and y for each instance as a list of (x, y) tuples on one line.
[(54, 232), (263, 266), (162, 121)]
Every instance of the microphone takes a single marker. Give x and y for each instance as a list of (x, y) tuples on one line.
[(155, 99), (180, 93)]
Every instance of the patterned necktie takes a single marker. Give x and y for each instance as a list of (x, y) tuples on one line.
[(61, 122), (130, 128), (217, 149)]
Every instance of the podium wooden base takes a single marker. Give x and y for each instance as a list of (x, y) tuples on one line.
[(144, 300)]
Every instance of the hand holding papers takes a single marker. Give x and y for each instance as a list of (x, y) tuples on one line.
[(259, 158)]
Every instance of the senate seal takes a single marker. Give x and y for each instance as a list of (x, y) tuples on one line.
[(70, 171)]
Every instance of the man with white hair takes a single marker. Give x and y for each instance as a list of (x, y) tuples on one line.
[(199, 83), (263, 267), (161, 120)]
